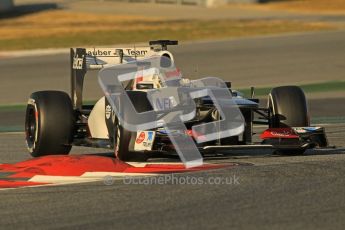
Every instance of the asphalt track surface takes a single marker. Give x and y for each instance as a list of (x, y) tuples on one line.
[(274, 192), (271, 192), (272, 60)]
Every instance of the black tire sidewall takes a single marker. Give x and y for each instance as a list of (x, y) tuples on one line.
[(55, 123), (289, 107), (124, 140)]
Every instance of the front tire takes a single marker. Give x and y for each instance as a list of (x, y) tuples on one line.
[(125, 139), (49, 123), (288, 106)]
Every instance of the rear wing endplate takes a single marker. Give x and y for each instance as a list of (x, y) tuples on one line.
[(84, 59)]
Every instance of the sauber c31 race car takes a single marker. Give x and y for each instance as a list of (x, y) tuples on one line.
[(56, 121)]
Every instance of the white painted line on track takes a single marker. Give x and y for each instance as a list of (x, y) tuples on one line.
[(61, 179), (101, 175), (144, 164)]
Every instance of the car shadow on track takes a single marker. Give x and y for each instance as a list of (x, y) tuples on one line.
[(237, 155), (262, 157)]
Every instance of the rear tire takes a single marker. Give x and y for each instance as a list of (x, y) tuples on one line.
[(288, 106), (49, 123)]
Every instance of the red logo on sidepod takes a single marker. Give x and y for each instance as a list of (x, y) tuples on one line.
[(140, 138)]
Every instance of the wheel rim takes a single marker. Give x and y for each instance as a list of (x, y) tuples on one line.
[(117, 140), (30, 126)]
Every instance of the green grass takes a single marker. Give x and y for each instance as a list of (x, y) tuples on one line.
[(308, 88), (332, 86), (14, 107), (22, 107), (327, 120), (14, 128)]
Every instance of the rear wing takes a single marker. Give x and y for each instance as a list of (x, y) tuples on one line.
[(85, 59)]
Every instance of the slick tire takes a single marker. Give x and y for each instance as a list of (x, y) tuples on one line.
[(124, 139), (288, 107), (49, 123)]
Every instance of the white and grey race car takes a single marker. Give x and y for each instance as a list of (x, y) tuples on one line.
[(56, 121)]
